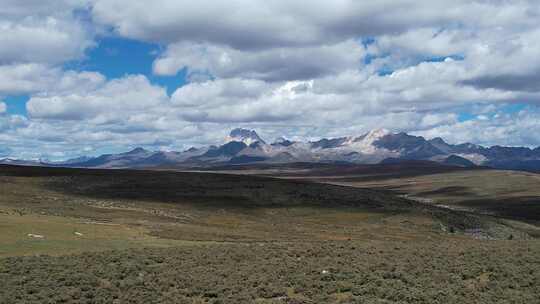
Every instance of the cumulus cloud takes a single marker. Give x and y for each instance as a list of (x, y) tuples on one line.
[(286, 40), (342, 98), (37, 37), (496, 52), (277, 40), (16, 8), (511, 129), (41, 78), (49, 40), (283, 67), (269, 64), (244, 24), (103, 102), (239, 100), (39, 32), (509, 64), (3, 107)]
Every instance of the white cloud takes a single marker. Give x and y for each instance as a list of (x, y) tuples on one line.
[(287, 40), (331, 101), (49, 40), (282, 67), (248, 24), (269, 64), (37, 37), (104, 102), (511, 129), (42, 32), (22, 78), (3, 107), (17, 9), (509, 62), (239, 100), (44, 79)]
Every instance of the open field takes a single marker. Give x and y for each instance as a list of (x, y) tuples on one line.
[(509, 194), (98, 236), (140, 207), (62, 235)]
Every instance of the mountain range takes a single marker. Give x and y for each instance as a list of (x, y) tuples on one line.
[(244, 146)]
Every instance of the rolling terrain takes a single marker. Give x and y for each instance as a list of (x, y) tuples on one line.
[(89, 236), (508, 194)]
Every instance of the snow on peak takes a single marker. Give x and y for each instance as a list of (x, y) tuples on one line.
[(375, 135), (364, 144), (244, 135), (137, 150), (283, 141)]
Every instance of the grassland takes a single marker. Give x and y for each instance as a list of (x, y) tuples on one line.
[(63, 235), (164, 237), (509, 194)]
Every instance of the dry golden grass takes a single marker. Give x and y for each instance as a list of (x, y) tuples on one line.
[(461, 185), (508, 194), (63, 235)]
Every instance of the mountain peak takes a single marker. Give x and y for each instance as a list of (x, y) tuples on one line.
[(245, 145), (376, 134), (244, 135), (282, 141), (137, 151), (370, 137), (437, 140), (192, 149)]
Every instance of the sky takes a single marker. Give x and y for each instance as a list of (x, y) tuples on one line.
[(86, 77)]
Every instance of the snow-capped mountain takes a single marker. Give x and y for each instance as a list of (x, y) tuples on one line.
[(243, 135), (246, 146), (361, 149)]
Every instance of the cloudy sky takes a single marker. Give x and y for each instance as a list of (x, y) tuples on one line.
[(95, 76)]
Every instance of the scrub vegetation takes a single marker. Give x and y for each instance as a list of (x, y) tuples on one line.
[(120, 236)]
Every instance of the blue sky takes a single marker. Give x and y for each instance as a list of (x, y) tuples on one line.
[(114, 57), (111, 75), (16, 104)]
